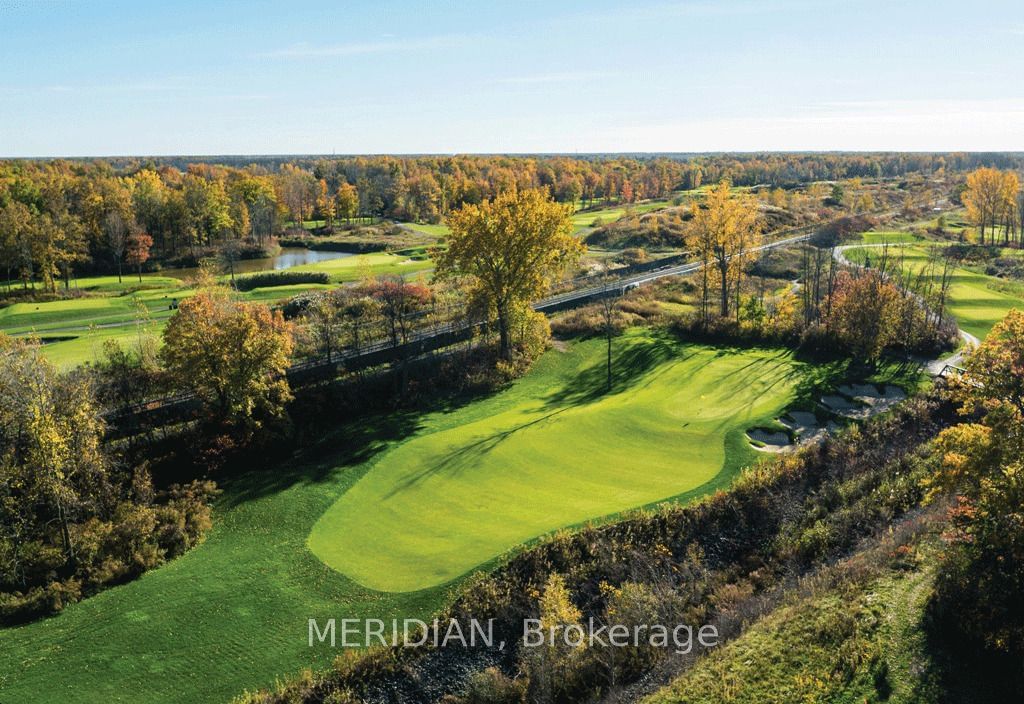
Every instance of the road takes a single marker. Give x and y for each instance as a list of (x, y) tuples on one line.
[(427, 340)]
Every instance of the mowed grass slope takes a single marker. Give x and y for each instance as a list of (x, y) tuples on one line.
[(976, 300), (233, 613), (552, 451)]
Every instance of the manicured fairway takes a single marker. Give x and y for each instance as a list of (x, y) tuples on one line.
[(115, 310), (233, 613), (977, 301), (550, 453)]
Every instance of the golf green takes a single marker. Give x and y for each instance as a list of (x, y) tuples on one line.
[(552, 451)]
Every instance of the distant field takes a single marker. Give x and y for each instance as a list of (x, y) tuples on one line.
[(890, 237), (581, 219), (79, 326), (584, 219), (977, 301), (476, 482)]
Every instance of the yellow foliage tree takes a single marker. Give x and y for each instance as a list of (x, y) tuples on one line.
[(511, 249), (725, 232), (991, 198)]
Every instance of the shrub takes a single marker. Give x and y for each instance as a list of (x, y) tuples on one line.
[(280, 278)]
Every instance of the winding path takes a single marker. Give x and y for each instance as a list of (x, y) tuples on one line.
[(936, 367)]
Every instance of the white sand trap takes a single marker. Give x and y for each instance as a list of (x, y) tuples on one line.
[(867, 400), (770, 442), (803, 423)]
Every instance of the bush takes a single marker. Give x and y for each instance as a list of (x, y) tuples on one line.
[(136, 537), (280, 278)]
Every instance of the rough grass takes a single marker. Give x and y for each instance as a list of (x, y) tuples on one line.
[(553, 451), (860, 643)]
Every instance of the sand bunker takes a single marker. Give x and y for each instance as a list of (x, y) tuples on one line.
[(803, 424), (867, 400), (768, 441), (853, 401)]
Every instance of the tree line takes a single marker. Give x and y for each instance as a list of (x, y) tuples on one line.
[(62, 217)]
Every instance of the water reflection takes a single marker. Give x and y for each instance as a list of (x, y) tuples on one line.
[(286, 259)]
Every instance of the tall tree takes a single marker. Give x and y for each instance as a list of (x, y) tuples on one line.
[(51, 433), (725, 231), (348, 201), (511, 248), (137, 254), (988, 196)]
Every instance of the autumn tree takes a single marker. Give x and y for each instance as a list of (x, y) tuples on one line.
[(116, 229), (324, 316), (399, 300), (981, 573), (990, 198), (864, 313), (15, 238), (232, 355), (325, 204), (137, 251), (50, 434), (347, 201), (510, 248), (724, 231)]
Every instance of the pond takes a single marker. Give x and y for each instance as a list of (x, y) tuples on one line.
[(285, 259)]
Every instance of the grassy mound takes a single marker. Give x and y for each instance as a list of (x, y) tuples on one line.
[(550, 452)]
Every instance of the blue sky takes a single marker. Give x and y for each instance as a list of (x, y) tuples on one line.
[(84, 77)]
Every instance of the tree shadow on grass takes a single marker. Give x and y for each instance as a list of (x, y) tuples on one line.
[(629, 365), (466, 456), (348, 443)]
